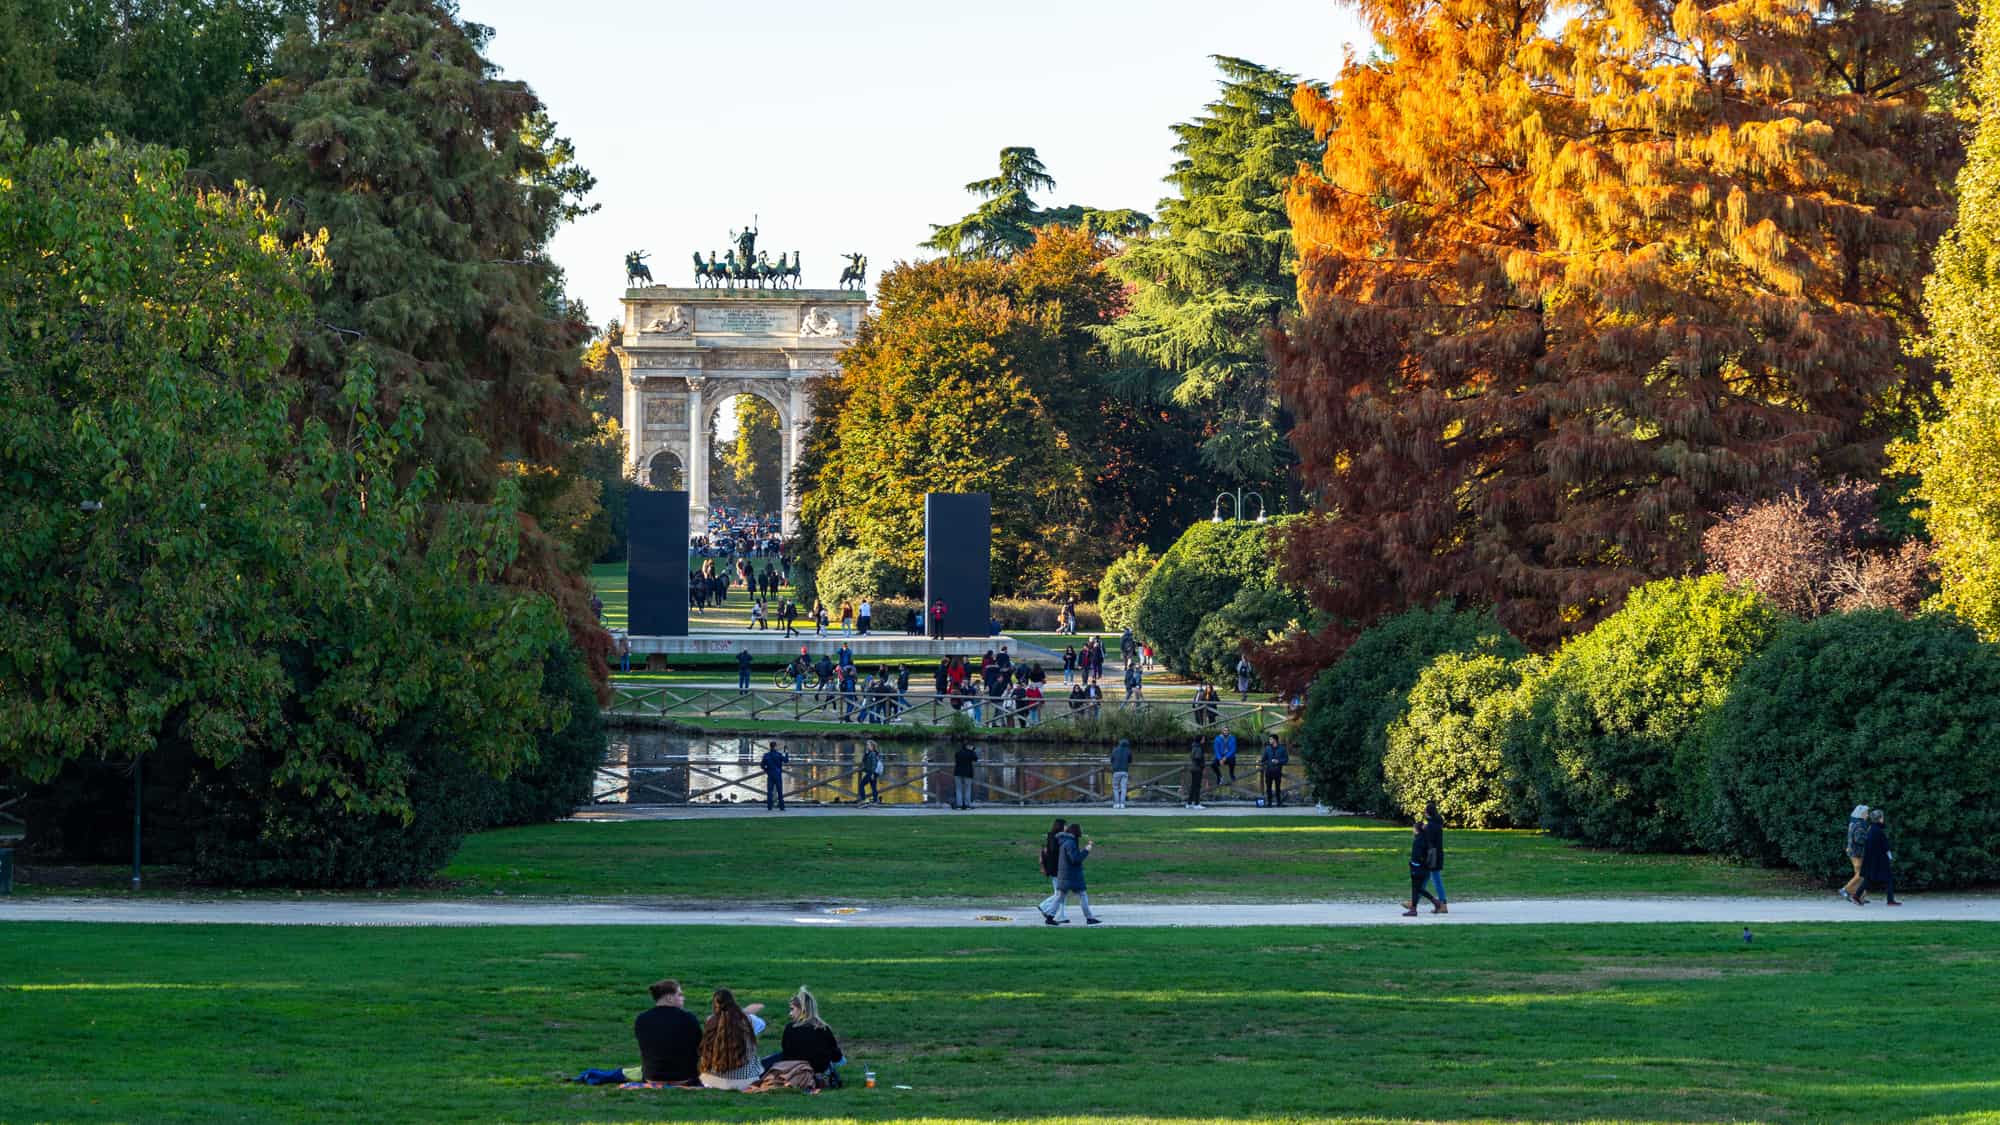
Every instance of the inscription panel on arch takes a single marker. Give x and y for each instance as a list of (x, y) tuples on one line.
[(745, 321)]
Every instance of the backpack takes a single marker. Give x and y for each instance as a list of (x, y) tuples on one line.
[(871, 762), (787, 1074)]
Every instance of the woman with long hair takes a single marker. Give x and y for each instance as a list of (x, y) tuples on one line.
[(728, 1053)]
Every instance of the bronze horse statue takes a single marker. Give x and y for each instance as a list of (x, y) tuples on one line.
[(856, 272)]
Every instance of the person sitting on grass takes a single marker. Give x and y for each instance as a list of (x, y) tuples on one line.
[(809, 1040), (728, 1054), (669, 1037)]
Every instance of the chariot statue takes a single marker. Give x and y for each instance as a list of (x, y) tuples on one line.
[(855, 276), (635, 269)]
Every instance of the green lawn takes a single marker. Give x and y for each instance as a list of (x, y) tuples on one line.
[(1845, 1023), (974, 858)]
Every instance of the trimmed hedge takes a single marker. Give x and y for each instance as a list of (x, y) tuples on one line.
[(1350, 705), (1198, 575), (1866, 708), (1118, 591), (1252, 615), (1611, 740), (1446, 746)]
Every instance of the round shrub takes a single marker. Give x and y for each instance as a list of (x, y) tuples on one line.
[(852, 574), (1198, 575), (1446, 746), (1611, 740), (1254, 614), (1871, 708), (1350, 705), (1118, 591)]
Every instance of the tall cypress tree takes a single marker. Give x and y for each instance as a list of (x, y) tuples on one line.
[(1568, 284), (1957, 452), (1220, 272)]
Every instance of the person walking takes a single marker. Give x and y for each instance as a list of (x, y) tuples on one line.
[(819, 618), (1272, 762), (1857, 849), (1069, 663), (1243, 679), (743, 669), (757, 615), (624, 652), (1127, 646), (1420, 870), (1069, 872), (871, 773), (864, 617), (788, 612), (1197, 765), (1135, 683), (1434, 854), (773, 762), (1052, 908), (962, 772), (1121, 772), (1877, 861)]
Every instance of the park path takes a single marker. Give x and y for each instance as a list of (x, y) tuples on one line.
[(1020, 912)]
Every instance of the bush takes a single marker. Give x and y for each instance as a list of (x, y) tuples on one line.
[(1350, 705), (1198, 575), (852, 574), (1446, 746), (1118, 592), (1869, 708), (1254, 614), (1611, 741), (566, 759)]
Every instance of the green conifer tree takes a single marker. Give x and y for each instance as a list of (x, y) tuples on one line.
[(1219, 271), (1004, 225)]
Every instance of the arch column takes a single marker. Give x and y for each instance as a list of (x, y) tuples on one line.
[(697, 464), (794, 422)]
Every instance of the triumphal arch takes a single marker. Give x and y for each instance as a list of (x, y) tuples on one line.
[(744, 327)]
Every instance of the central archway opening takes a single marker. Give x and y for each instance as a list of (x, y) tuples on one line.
[(746, 447)]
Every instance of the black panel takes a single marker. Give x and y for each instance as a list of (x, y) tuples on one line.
[(656, 566), (958, 540)]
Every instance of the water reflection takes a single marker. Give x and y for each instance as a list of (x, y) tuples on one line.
[(649, 767)]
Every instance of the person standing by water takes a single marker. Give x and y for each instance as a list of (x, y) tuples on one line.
[(1197, 765), (1225, 756), (1855, 889), (1052, 908), (1434, 854), (1272, 762), (743, 661), (1877, 860), (1420, 871), (871, 773), (773, 762), (964, 764), (1121, 771)]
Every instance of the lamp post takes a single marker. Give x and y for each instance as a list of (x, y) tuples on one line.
[(1236, 498)]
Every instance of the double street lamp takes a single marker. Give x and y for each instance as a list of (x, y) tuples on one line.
[(1237, 498)]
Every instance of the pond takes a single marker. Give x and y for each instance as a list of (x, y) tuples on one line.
[(651, 767)]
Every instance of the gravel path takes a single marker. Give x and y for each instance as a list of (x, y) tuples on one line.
[(528, 912)]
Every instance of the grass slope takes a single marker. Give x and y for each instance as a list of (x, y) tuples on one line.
[(1608, 1023), (968, 857)]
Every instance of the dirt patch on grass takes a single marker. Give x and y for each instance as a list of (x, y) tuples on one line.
[(1598, 975)]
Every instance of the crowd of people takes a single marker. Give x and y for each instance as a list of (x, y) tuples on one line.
[(722, 1053)]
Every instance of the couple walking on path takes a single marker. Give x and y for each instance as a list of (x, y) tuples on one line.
[(1868, 850), (1427, 862), (1063, 851)]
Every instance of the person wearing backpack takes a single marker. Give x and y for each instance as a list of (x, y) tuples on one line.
[(871, 773), (1121, 773), (1420, 871), (1053, 908)]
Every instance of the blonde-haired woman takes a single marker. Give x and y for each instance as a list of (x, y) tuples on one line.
[(809, 1040), (728, 1053)]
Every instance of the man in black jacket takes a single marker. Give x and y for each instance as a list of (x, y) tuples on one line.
[(773, 762), (1420, 870), (963, 765), (669, 1037)]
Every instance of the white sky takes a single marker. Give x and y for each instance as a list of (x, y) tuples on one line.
[(852, 126)]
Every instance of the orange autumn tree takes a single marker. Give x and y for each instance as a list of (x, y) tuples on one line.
[(1572, 276)]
